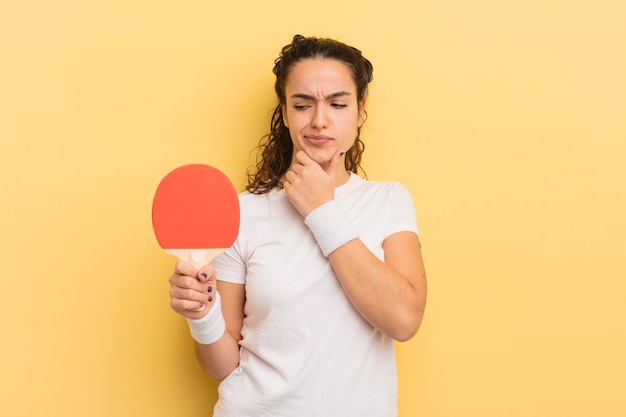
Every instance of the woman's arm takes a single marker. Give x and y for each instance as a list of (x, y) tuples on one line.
[(390, 295), (219, 359), (190, 297)]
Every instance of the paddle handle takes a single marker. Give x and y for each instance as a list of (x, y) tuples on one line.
[(196, 257)]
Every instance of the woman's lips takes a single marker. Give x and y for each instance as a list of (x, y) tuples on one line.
[(317, 139)]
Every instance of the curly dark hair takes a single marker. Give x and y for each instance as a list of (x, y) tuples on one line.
[(275, 149)]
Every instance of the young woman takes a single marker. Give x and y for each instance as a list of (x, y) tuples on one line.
[(301, 313)]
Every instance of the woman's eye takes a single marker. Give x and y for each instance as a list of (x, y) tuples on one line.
[(301, 107), (339, 105)]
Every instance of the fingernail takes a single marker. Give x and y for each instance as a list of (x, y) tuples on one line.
[(204, 275), (210, 298), (210, 289)]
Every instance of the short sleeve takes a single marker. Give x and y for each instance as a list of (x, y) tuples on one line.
[(230, 266), (402, 216)]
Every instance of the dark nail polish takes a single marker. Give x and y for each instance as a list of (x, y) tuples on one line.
[(210, 289), (204, 275), (210, 298)]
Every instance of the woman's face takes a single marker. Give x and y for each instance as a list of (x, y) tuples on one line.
[(321, 108)]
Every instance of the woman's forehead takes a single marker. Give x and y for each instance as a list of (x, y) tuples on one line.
[(326, 76)]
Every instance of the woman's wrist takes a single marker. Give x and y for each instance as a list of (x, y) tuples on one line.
[(210, 328), (331, 227)]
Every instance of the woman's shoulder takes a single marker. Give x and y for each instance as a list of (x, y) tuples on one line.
[(251, 200), (358, 183), (249, 197), (260, 205)]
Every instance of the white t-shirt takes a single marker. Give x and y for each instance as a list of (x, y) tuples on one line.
[(305, 351)]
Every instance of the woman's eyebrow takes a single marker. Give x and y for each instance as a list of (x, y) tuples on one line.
[(328, 97)]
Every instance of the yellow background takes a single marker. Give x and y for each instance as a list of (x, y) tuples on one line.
[(505, 119)]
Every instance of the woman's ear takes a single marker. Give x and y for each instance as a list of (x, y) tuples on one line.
[(362, 114)]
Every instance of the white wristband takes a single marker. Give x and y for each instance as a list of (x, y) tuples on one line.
[(210, 328), (331, 227)]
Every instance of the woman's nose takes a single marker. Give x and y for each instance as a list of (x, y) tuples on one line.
[(320, 118)]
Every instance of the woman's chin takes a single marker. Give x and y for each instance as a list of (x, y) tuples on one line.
[(322, 157)]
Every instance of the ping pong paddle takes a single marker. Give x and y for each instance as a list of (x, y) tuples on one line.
[(195, 213)]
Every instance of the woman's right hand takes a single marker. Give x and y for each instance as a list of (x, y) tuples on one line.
[(192, 291)]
